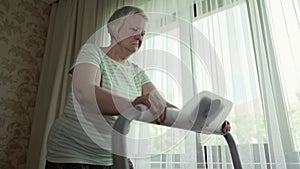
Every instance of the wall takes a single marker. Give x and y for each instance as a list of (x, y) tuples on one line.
[(23, 29)]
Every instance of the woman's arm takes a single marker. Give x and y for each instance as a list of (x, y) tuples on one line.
[(89, 94), (160, 103), (86, 88), (149, 87)]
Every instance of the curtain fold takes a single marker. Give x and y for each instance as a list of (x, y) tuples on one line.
[(166, 58), (282, 152), (230, 71)]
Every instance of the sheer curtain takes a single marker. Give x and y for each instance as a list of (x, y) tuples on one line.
[(166, 58), (211, 50), (226, 26), (256, 44), (285, 28), (273, 56), (253, 62), (243, 50)]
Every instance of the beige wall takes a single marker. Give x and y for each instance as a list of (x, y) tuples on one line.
[(23, 29)]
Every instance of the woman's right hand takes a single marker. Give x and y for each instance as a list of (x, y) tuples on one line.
[(155, 103), (144, 99)]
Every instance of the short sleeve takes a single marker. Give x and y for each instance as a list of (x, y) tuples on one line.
[(89, 53), (141, 76)]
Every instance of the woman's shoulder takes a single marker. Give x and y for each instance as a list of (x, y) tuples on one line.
[(136, 67), (93, 49), (89, 46)]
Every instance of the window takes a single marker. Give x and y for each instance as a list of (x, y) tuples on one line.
[(160, 57), (284, 23), (229, 69), (218, 48), (235, 76)]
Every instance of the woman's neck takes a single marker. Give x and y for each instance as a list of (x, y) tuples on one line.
[(116, 53)]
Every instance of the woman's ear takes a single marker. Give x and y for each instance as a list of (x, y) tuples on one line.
[(113, 31)]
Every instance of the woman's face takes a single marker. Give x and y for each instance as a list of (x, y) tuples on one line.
[(132, 32)]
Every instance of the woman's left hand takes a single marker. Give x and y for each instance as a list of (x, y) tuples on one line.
[(158, 106), (226, 127)]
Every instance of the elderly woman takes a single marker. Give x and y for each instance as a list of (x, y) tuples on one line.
[(106, 83)]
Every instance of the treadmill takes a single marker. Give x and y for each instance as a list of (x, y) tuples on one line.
[(204, 113)]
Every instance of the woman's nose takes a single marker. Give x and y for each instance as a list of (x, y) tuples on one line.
[(138, 36)]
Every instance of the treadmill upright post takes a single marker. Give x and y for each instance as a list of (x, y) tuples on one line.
[(119, 142), (233, 151)]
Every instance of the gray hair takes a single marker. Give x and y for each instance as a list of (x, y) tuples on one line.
[(118, 17)]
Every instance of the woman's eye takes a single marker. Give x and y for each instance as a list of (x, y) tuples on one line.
[(134, 29)]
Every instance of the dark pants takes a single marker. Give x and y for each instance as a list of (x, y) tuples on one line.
[(50, 165)]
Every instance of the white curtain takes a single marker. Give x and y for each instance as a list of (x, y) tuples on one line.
[(276, 32), (243, 50), (166, 57), (256, 44), (233, 75), (253, 61)]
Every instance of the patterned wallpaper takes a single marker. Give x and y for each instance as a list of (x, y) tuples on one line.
[(23, 29)]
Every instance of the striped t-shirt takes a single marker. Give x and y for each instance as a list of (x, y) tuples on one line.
[(80, 136)]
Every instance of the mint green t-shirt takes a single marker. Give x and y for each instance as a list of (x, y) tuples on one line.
[(80, 136)]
